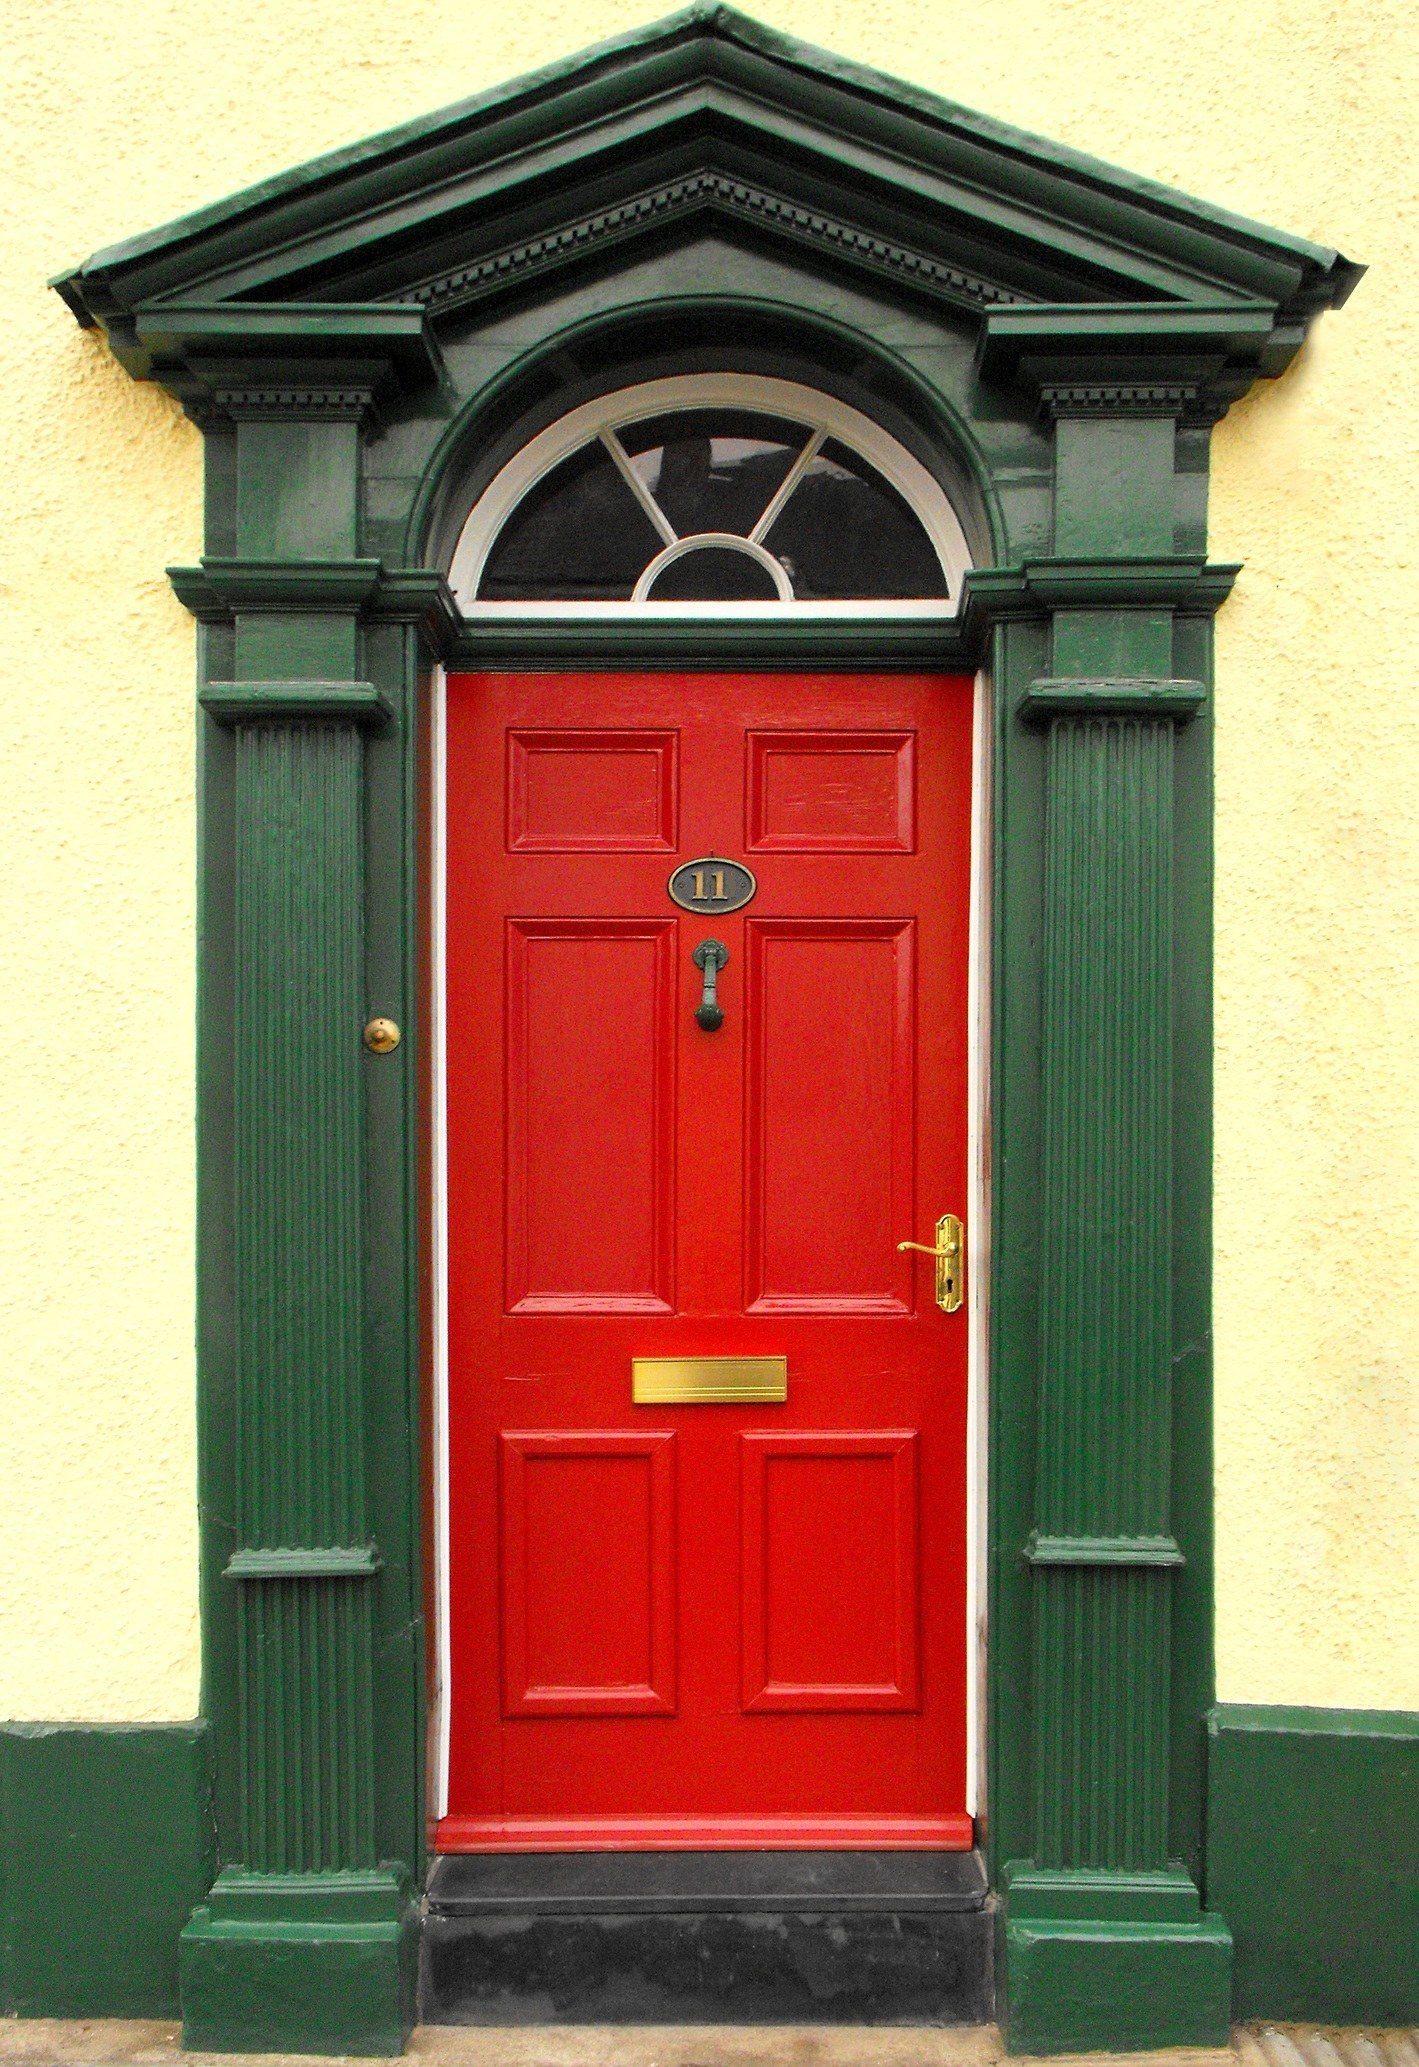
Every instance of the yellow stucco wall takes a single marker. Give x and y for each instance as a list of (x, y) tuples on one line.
[(1294, 111)]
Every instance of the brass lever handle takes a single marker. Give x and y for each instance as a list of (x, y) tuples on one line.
[(950, 1255)]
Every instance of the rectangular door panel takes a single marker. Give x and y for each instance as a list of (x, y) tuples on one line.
[(589, 1094), (839, 792), (830, 1571), (828, 1152), (588, 1573), (585, 792)]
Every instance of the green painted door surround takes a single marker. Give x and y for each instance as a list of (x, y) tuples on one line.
[(363, 342)]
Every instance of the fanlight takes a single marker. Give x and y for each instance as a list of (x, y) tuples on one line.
[(722, 491)]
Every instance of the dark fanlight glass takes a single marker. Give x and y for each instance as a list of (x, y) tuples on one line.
[(713, 469), (714, 574), (846, 533), (579, 536), (586, 531)]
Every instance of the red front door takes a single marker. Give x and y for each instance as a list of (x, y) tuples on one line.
[(708, 1623)]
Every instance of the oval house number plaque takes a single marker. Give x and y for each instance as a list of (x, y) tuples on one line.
[(712, 884)]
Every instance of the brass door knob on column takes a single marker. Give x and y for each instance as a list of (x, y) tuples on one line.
[(382, 1036)]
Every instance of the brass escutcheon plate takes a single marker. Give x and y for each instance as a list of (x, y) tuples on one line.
[(660, 1381)]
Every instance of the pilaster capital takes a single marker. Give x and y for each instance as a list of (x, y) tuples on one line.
[(1054, 696), (252, 703)]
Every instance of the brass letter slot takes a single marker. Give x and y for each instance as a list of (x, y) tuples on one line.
[(663, 1381)]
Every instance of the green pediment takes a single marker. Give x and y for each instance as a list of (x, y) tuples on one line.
[(707, 121)]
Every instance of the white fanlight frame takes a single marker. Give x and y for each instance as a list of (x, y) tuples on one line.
[(823, 415)]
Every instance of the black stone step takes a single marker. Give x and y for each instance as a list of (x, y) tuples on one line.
[(708, 1937)]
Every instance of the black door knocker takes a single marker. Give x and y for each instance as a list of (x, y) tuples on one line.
[(711, 956)]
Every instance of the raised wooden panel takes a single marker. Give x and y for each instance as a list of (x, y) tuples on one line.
[(836, 792), (589, 1096), (830, 1571), (828, 1152), (588, 1573), (579, 792)]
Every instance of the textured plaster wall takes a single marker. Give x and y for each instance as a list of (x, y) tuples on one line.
[(1295, 111)]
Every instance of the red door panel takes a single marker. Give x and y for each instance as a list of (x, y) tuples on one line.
[(829, 1168), (832, 792), (824, 1631), (705, 1624), (591, 792), (590, 1091), (588, 1615)]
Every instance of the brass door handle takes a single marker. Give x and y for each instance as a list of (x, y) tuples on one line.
[(950, 1260)]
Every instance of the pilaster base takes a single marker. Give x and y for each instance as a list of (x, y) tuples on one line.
[(300, 1963), (1093, 1962)]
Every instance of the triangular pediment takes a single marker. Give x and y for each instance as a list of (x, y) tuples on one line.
[(705, 118)]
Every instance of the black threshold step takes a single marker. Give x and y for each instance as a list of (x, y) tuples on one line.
[(708, 1937)]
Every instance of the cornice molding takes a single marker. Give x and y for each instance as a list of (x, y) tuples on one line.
[(729, 196), (219, 590), (1189, 361), (1186, 585), (761, 642), (706, 110), (289, 362), (420, 597)]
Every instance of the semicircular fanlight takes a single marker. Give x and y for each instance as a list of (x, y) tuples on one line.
[(716, 504)]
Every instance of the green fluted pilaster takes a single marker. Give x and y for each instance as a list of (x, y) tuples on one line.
[(299, 1175), (306, 1939), (1104, 1939), (304, 1642), (305, 1935), (1104, 1431), (1106, 1942)]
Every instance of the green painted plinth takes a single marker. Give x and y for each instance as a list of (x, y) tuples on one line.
[(257, 1981), (1075, 1985)]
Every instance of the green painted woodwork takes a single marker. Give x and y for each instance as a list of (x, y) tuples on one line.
[(364, 342), (319, 1963), (296, 487), (1112, 697), (286, 1949), (106, 1841), (1082, 1986), (359, 1561), (1107, 644), (1104, 1436), (1312, 1839), (1114, 494), (700, 96), (1103, 1937), (230, 701)]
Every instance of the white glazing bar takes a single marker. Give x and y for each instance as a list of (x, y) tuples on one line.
[(786, 487), (638, 488)]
